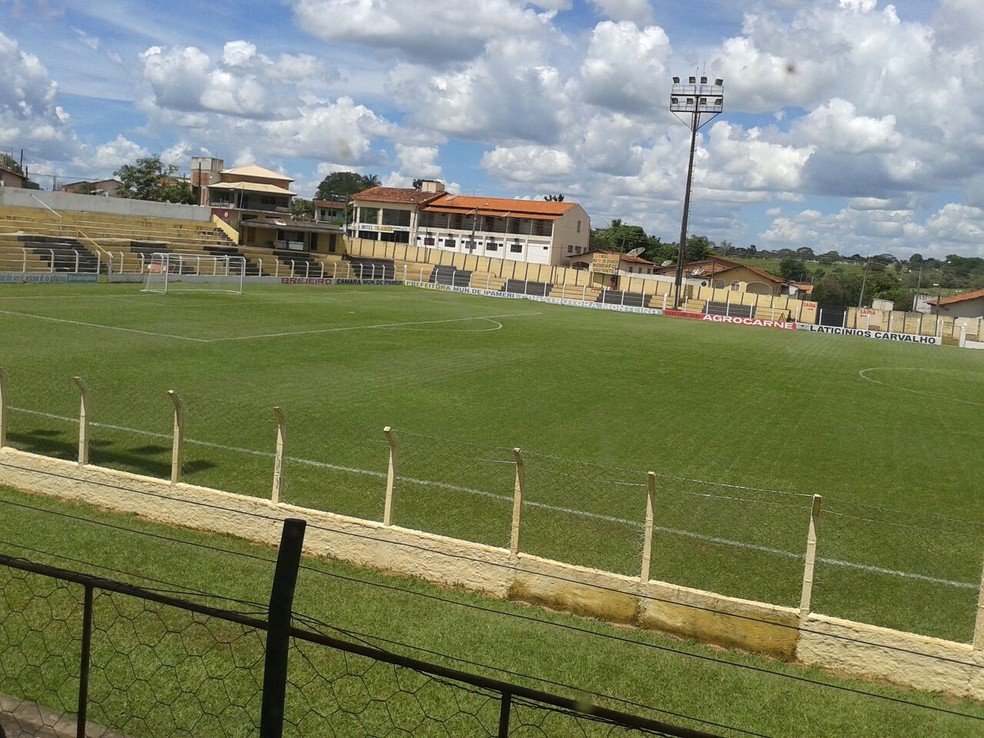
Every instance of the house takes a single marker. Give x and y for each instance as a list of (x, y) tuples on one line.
[(10, 178), (330, 211), (101, 187), (722, 273), (533, 231), (967, 305), (256, 202), (606, 266)]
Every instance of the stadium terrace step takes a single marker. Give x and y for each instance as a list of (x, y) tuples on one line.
[(584, 293), (617, 297), (451, 276), (486, 281), (414, 270), (65, 256), (365, 268), (735, 310), (771, 313), (525, 287)]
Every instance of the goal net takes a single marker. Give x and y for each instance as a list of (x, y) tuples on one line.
[(170, 272)]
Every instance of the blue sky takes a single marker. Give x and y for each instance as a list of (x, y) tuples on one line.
[(849, 125)]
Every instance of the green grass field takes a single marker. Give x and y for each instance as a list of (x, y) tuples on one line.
[(742, 426), (633, 671)]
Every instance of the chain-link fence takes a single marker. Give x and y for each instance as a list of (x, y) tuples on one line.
[(886, 567), (94, 657), (893, 568)]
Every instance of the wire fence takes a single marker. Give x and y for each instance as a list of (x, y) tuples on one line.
[(881, 566), (95, 657)]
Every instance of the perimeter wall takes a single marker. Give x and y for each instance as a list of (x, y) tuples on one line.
[(906, 659)]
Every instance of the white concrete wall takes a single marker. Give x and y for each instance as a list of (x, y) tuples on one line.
[(68, 201), (865, 651)]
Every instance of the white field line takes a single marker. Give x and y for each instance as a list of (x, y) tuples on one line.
[(864, 375), (314, 331), (104, 327), (339, 329), (540, 505)]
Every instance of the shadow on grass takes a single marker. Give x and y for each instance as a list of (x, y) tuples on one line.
[(150, 460)]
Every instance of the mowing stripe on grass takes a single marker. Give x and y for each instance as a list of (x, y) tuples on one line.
[(540, 505)]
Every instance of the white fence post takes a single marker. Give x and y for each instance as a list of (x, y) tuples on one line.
[(978, 623), (647, 541), (811, 557), (391, 471), (3, 407), (517, 512), (278, 462), (83, 421), (177, 442)]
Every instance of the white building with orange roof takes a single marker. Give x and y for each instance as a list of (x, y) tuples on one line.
[(533, 231)]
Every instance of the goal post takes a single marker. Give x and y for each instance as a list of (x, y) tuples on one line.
[(172, 272)]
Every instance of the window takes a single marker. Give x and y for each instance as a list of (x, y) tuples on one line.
[(570, 249), (736, 286), (579, 226), (515, 248)]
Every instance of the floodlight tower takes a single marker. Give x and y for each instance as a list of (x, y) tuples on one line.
[(699, 103)]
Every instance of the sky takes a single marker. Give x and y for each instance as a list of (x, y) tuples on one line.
[(848, 125)]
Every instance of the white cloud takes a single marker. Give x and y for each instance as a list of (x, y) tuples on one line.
[(30, 116), (109, 157), (505, 95), (418, 162), (528, 164), (420, 30), (837, 127), (624, 67)]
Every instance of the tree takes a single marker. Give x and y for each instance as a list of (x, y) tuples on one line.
[(301, 208), (554, 198), (86, 188), (793, 269), (698, 249), (149, 179), (342, 185), (8, 162)]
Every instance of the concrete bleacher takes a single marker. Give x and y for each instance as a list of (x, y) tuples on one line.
[(125, 241), (366, 268), (584, 293), (451, 276), (617, 297), (487, 281), (525, 287)]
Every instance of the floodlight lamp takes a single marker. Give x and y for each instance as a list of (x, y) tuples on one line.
[(674, 101), (693, 80), (719, 102), (703, 80), (719, 82), (676, 80)]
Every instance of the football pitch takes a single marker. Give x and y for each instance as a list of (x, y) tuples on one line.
[(742, 426)]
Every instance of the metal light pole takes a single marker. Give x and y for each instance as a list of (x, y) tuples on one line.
[(700, 103)]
